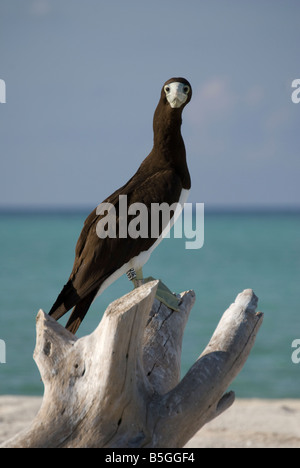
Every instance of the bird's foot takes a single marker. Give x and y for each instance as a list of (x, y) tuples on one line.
[(163, 293)]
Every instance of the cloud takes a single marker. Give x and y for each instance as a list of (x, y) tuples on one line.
[(217, 99), (241, 123), (211, 101)]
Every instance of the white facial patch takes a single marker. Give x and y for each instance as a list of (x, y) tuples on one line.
[(176, 94)]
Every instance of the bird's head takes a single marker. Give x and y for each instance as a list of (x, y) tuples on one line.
[(177, 92)]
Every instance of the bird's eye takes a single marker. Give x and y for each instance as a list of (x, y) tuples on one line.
[(186, 89), (167, 89)]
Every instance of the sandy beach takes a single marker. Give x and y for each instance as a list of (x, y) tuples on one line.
[(247, 424)]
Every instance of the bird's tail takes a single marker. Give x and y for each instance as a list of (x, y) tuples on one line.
[(67, 299), (79, 312)]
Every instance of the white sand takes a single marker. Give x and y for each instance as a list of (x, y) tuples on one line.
[(253, 424), (247, 424)]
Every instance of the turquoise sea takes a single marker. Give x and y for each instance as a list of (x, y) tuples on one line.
[(241, 250)]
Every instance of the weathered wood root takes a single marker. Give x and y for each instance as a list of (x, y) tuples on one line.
[(120, 386)]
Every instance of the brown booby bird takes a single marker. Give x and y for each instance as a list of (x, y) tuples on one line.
[(163, 177)]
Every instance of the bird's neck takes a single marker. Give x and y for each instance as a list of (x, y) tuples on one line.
[(168, 142), (166, 127)]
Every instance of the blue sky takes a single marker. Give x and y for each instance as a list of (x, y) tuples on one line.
[(83, 79)]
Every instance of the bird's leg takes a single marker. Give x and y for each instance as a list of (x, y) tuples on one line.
[(131, 274), (139, 280), (163, 293), (135, 276)]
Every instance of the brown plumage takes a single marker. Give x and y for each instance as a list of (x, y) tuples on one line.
[(160, 178)]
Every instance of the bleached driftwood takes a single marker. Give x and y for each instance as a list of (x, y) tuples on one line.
[(120, 386)]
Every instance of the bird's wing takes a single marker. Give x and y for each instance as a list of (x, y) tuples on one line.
[(96, 259)]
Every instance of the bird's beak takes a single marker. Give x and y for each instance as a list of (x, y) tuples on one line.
[(176, 95)]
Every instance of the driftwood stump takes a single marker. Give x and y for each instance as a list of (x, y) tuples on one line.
[(120, 386)]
